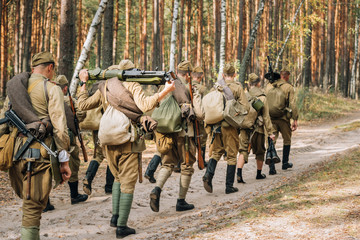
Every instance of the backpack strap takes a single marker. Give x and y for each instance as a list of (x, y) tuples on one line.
[(105, 96)]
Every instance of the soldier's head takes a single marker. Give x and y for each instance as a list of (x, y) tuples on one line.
[(285, 74), (254, 80), (126, 64), (43, 63), (62, 82), (183, 68), (229, 71), (197, 74)]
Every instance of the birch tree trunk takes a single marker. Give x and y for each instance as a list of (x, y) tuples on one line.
[(173, 36), (223, 36), (247, 55), (87, 45), (356, 43)]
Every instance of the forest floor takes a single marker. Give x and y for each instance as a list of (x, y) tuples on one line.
[(316, 199)]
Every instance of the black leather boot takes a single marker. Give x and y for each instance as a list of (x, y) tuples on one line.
[(49, 206), (230, 177), (286, 153), (239, 177), (260, 175), (177, 168), (151, 168), (113, 220), (109, 181), (75, 196), (182, 205), (272, 170), (124, 231), (209, 174), (155, 199), (89, 177)]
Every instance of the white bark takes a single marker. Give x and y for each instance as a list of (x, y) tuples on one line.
[(353, 70), (87, 45), (222, 38), (288, 36), (173, 36), (247, 55)]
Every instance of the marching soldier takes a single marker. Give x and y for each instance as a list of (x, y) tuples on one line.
[(255, 137), (48, 102), (122, 159), (178, 153), (227, 139), (281, 95)]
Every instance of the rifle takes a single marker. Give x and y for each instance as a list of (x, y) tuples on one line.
[(201, 164), (78, 133), (132, 75), (271, 75), (10, 116)]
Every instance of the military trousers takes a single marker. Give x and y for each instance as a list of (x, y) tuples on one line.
[(98, 150), (283, 126), (257, 141), (226, 141), (40, 186), (123, 165), (178, 154)]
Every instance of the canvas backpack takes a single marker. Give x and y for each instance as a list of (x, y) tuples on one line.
[(168, 116), (115, 127), (214, 104), (277, 101), (256, 106)]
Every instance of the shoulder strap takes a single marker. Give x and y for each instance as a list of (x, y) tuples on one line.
[(227, 91), (45, 90), (106, 101)]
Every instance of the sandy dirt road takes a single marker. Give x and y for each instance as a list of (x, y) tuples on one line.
[(312, 143)]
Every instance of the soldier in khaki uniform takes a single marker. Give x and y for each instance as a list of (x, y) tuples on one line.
[(41, 177), (122, 160), (255, 136), (74, 162), (227, 140), (178, 153), (283, 124), (197, 76)]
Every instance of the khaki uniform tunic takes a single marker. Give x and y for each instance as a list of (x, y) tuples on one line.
[(41, 170), (257, 134), (123, 163), (282, 124), (177, 153), (228, 140)]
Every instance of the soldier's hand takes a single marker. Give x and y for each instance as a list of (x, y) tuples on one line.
[(169, 86), (81, 115), (84, 75), (272, 136), (294, 125), (65, 171)]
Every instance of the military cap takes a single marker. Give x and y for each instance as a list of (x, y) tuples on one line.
[(61, 80), (253, 78), (42, 57), (285, 69), (229, 69), (185, 66), (198, 69), (126, 64)]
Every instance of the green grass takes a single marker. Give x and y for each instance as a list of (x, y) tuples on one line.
[(314, 105)]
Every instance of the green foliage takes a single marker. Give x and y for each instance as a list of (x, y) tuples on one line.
[(313, 105)]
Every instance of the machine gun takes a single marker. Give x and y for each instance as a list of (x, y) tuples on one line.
[(10, 116), (271, 75), (132, 75)]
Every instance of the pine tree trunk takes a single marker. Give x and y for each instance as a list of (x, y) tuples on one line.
[(48, 25), (223, 36), (253, 34), (355, 61), (346, 59), (17, 39), (200, 33), (87, 45), (217, 31), (156, 41), (79, 34), (241, 24), (307, 51), (4, 48), (116, 29), (127, 28), (161, 32), (181, 30), (99, 45), (173, 36), (27, 35), (107, 43)]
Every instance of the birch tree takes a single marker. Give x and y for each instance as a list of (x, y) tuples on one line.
[(247, 55), (223, 36), (356, 43), (87, 45), (173, 36)]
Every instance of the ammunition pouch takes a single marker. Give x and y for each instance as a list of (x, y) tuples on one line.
[(163, 142)]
